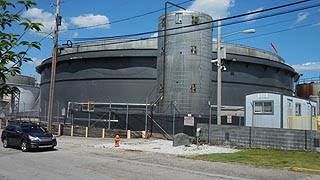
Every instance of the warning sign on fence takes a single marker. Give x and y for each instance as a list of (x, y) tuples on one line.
[(189, 121), (229, 119)]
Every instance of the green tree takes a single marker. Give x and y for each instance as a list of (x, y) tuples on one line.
[(13, 48)]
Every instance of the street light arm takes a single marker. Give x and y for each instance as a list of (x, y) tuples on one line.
[(219, 67), (247, 31)]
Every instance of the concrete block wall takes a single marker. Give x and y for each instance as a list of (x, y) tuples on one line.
[(256, 137)]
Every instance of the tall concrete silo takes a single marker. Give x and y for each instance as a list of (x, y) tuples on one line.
[(184, 62)]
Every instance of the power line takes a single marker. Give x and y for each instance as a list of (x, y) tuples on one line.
[(208, 22), (274, 32), (227, 24), (127, 19), (278, 22)]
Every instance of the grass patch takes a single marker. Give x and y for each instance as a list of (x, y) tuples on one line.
[(270, 158)]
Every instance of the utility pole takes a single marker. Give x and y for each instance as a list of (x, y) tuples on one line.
[(53, 66), (219, 74)]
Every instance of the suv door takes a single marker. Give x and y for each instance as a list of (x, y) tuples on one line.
[(10, 131), (17, 136)]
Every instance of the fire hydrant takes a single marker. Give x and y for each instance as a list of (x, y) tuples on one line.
[(117, 141)]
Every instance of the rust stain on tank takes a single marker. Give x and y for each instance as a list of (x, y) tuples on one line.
[(308, 89)]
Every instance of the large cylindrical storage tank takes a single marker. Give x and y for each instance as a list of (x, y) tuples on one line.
[(184, 67), (25, 101)]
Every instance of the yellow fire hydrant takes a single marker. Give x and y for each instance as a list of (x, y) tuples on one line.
[(117, 141)]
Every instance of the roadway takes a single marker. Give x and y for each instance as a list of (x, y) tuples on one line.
[(79, 158)]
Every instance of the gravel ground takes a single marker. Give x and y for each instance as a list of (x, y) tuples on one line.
[(165, 147), (148, 145)]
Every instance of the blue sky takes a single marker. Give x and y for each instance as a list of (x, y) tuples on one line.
[(296, 35)]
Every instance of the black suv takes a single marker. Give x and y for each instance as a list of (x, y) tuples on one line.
[(26, 136)]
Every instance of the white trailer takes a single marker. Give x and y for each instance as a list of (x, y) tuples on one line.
[(275, 110)]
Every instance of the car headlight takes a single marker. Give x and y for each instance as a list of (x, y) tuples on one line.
[(33, 138), (53, 137)]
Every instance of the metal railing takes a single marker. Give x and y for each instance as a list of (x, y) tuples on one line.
[(308, 80), (303, 122)]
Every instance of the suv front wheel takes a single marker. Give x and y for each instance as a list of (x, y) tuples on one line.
[(5, 142), (24, 146)]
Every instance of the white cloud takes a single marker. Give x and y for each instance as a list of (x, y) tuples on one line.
[(316, 24), (154, 35), (302, 16), (75, 35), (252, 16), (215, 8), (35, 61), (308, 66), (47, 19), (90, 20), (10, 64)]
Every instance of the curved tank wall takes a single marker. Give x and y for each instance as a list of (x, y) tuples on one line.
[(27, 99), (21, 80), (117, 73), (105, 71), (184, 62), (249, 70)]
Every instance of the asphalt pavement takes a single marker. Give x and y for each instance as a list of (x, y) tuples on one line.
[(90, 158)]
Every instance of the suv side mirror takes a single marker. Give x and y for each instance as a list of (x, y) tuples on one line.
[(19, 131)]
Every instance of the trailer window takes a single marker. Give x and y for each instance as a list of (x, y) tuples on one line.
[(313, 111), (298, 109), (267, 107), (263, 107)]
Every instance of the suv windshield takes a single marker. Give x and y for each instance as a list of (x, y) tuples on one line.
[(33, 129)]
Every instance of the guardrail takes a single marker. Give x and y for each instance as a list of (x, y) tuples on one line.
[(303, 122)]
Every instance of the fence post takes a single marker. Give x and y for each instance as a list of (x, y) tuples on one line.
[(89, 120), (58, 115), (45, 111), (146, 118), (174, 118), (72, 118), (127, 117), (210, 120), (109, 115)]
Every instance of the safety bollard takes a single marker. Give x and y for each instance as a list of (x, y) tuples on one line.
[(128, 134), (59, 130), (87, 129), (143, 134), (71, 133), (103, 133)]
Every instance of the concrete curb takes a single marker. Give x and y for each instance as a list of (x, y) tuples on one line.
[(314, 171)]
